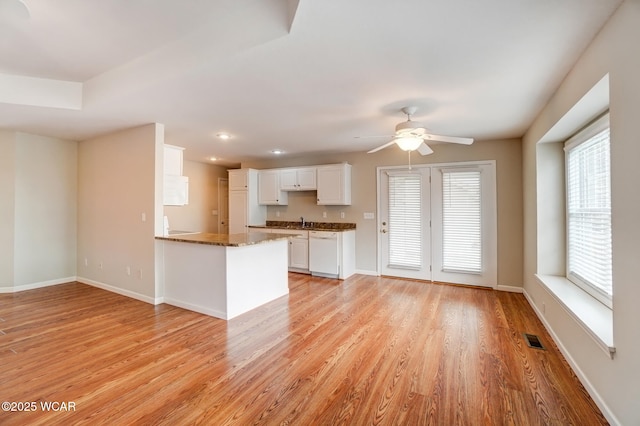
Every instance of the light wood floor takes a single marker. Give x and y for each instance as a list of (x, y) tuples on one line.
[(364, 351)]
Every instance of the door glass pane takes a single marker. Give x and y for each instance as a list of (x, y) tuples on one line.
[(405, 227), (461, 217)]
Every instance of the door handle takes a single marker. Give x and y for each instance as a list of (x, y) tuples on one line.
[(384, 231)]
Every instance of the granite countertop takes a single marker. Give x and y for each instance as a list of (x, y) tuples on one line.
[(309, 226), (225, 240)]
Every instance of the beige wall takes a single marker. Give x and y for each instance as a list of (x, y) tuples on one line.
[(613, 382), (38, 187), (203, 199), (118, 181), (508, 156)]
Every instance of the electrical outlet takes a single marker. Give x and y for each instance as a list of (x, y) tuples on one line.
[(100, 265), (324, 215), (143, 216), (129, 270), (277, 213), (341, 215), (86, 262)]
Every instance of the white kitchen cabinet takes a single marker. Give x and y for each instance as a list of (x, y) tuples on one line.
[(299, 253), (269, 192), (175, 186), (173, 159), (244, 209), (334, 184), (239, 179), (298, 179)]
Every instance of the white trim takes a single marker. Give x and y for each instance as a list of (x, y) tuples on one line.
[(120, 291), (41, 284), (510, 288), (606, 411), (367, 272), (196, 308), (594, 317)]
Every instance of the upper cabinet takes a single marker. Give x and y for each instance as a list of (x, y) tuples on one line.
[(298, 179), (176, 186), (173, 160), (334, 184), (269, 192), (239, 179)]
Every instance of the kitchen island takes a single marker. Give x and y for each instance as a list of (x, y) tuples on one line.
[(223, 275)]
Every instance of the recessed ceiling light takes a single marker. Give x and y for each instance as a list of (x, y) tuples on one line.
[(277, 151), (213, 159), (224, 136)]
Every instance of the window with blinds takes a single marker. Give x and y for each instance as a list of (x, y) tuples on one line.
[(461, 221), (405, 227), (588, 172)]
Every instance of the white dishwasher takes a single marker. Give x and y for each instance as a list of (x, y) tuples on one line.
[(324, 254)]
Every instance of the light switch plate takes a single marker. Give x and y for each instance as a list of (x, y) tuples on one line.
[(369, 216)]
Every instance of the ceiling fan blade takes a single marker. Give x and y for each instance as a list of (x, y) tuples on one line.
[(370, 137), (451, 139), (381, 147), (425, 149)]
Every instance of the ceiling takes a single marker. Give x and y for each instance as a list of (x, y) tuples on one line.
[(305, 76)]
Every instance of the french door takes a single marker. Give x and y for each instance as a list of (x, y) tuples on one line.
[(404, 215), (438, 222)]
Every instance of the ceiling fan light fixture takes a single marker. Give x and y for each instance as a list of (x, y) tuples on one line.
[(408, 143)]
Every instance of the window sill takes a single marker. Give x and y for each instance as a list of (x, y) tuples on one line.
[(594, 317)]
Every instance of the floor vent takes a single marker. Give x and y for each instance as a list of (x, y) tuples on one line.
[(533, 341)]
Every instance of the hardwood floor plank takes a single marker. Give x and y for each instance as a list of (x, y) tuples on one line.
[(368, 350)]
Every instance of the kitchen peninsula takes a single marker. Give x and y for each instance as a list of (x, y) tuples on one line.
[(224, 275)]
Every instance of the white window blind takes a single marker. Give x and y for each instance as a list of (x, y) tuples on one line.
[(589, 213), (461, 221), (405, 229)]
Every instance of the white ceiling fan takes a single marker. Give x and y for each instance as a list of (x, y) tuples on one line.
[(412, 135)]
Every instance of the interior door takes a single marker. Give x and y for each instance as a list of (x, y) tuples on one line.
[(404, 222), (223, 206)]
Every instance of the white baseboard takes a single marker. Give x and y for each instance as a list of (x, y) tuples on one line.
[(509, 288), (574, 366), (33, 286), (195, 308), (118, 290), (367, 272)]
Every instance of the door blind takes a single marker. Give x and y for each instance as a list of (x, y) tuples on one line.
[(405, 228), (461, 221), (589, 212)]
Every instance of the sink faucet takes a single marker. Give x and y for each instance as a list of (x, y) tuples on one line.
[(302, 221)]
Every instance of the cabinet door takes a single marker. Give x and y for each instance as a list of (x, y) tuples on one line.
[(334, 185), (238, 207), (289, 179), (299, 253), (269, 192), (238, 179), (307, 179), (173, 160)]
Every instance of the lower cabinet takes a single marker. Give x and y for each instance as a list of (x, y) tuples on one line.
[(298, 247), (299, 252)]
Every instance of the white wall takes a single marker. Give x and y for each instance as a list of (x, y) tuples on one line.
[(45, 209), (118, 182), (38, 187), (614, 383)]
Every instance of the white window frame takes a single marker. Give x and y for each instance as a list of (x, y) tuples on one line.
[(583, 136)]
